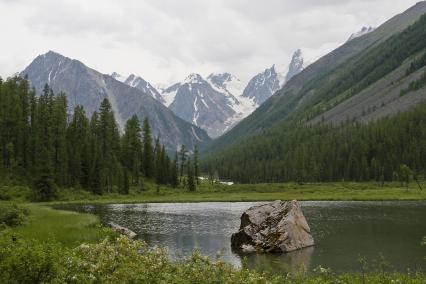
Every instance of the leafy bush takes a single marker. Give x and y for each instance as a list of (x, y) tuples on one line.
[(12, 215), (127, 261), (28, 261)]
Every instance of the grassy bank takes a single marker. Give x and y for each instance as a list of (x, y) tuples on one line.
[(121, 261), (237, 192), (68, 229), (253, 192), (47, 246)]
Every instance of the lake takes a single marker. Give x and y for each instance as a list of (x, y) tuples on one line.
[(343, 232)]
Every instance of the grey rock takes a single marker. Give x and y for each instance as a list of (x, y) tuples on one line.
[(363, 31), (274, 227), (296, 65), (122, 230), (139, 83), (263, 85), (198, 102)]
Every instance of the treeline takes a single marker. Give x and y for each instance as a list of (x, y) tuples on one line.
[(386, 150), (45, 146)]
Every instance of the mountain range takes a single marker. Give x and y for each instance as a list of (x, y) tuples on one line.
[(373, 76), (220, 101), (88, 87)]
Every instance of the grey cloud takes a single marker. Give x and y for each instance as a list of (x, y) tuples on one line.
[(164, 39)]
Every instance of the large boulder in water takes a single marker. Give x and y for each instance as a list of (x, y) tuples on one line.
[(274, 227)]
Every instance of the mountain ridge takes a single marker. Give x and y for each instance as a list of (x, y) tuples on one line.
[(304, 85), (88, 87)]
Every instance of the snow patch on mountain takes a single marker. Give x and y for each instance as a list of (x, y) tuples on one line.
[(363, 31), (139, 83), (118, 77), (169, 94)]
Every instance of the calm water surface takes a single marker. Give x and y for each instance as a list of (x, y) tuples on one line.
[(343, 231)]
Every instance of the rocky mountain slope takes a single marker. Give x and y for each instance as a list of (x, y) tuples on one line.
[(220, 101), (315, 91), (139, 83), (88, 87), (363, 31)]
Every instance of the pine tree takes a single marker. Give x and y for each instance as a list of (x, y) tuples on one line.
[(196, 166), (78, 135), (148, 155), (124, 184), (109, 145), (174, 178), (44, 187), (191, 180), (158, 170), (132, 148), (182, 153), (59, 129)]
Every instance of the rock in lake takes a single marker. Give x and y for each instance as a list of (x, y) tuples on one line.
[(274, 227), (122, 230)]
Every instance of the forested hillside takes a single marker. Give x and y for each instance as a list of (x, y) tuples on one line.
[(386, 150), (308, 89), (41, 145), (302, 149)]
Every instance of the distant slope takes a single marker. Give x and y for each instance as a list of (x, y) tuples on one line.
[(87, 87), (299, 92)]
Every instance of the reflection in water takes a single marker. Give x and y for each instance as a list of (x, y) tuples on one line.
[(342, 231), (279, 262)]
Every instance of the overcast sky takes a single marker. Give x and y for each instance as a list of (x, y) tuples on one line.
[(165, 40)]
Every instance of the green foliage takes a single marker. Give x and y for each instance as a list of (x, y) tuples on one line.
[(25, 261), (416, 64), (196, 165), (192, 186), (183, 156), (41, 148), (126, 261), (12, 215), (362, 71), (415, 85), (320, 87), (148, 152)]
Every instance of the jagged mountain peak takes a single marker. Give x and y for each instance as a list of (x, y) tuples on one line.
[(118, 77), (220, 78), (263, 85), (88, 87), (296, 65), (194, 78), (141, 84)]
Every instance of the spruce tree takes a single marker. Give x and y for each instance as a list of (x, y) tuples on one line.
[(148, 154), (174, 178), (182, 154), (191, 180), (109, 145), (196, 166), (132, 148)]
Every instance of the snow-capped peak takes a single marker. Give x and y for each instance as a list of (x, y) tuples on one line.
[(118, 77), (227, 82), (363, 31), (194, 78)]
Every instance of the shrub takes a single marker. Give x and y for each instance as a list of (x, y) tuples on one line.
[(23, 261), (127, 261), (12, 215)]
